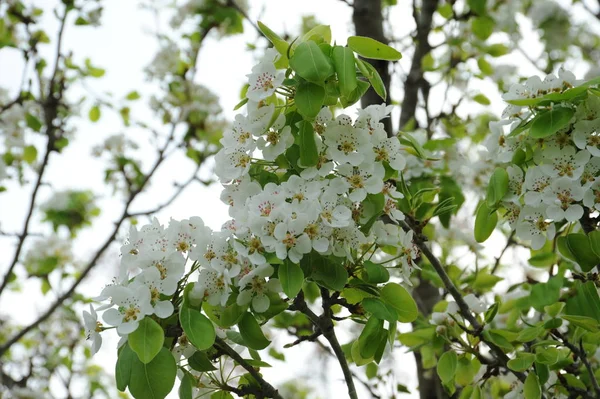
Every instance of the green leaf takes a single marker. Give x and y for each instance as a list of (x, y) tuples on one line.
[(291, 278), (466, 370), (374, 78), (485, 67), (33, 122), (147, 340), (530, 333), (310, 63), (356, 94), (345, 69), (185, 388), (548, 356), (309, 99), (331, 275), (497, 187), (133, 95), (123, 367), (577, 247), (482, 27), (594, 239), (309, 155), (251, 333), (554, 309), (485, 222), (379, 309), (531, 388), (197, 327), (373, 49), (481, 99), (497, 50), (368, 341), (199, 361), (375, 273), (397, 297), (30, 154), (550, 122), (356, 357), (317, 34), (280, 45), (522, 362), (446, 367), (155, 379), (477, 6), (587, 323)]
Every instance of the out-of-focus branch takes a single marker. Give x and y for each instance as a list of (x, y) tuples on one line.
[(509, 242), (414, 80), (90, 265), (50, 108)]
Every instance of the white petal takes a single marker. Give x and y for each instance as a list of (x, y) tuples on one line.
[(163, 309), (261, 303)]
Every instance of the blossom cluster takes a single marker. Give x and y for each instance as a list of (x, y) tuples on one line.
[(560, 174), (298, 210)]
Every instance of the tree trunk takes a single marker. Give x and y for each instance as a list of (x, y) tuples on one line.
[(368, 21)]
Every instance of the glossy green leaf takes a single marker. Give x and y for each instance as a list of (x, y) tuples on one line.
[(320, 33), (291, 278), (531, 387), (309, 155), (199, 361), (331, 275), (446, 366), (577, 247), (547, 356), (356, 357), (530, 333), (477, 6), (147, 340), (587, 323), (356, 94), (399, 298), (197, 327), (375, 273), (368, 341), (497, 187), (374, 78), (123, 367), (345, 69), (309, 99), (154, 380), (371, 48), (310, 63), (550, 122), (485, 222), (379, 309), (33, 122), (186, 386), (251, 333)]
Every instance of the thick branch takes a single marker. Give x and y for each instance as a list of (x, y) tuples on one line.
[(368, 21), (415, 77), (267, 389)]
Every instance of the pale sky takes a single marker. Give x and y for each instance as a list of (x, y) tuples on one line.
[(123, 46)]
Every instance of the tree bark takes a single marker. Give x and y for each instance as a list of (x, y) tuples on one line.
[(368, 21)]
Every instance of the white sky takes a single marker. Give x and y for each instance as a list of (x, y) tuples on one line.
[(123, 47)]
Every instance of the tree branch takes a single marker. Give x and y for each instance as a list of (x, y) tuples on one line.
[(325, 325), (415, 76), (462, 305), (267, 389)]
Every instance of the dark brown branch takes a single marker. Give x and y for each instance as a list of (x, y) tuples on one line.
[(367, 17), (414, 80), (267, 389), (462, 305), (325, 325)]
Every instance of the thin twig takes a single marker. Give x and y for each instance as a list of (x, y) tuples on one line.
[(509, 242), (268, 389)]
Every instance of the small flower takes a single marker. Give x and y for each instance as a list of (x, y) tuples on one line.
[(562, 198), (93, 328), (133, 305), (264, 80), (534, 226)]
